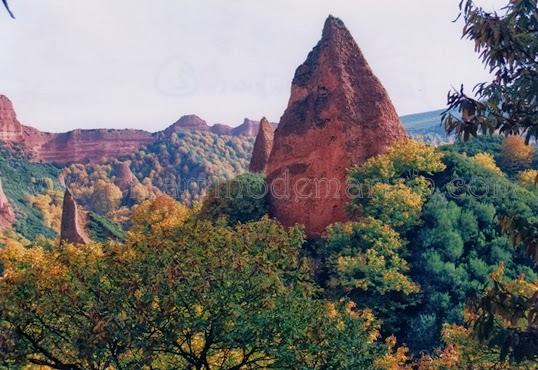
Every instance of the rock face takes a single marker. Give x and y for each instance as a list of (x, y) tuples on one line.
[(262, 147), (90, 146), (71, 229), (95, 146), (124, 176), (7, 215), (338, 115)]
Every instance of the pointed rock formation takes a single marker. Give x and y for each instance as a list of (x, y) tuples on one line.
[(124, 176), (71, 229), (262, 147), (7, 215), (338, 115)]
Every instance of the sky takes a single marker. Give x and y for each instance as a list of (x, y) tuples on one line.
[(70, 64)]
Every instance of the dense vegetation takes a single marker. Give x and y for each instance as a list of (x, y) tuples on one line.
[(22, 179), (440, 253), (185, 164), (222, 286)]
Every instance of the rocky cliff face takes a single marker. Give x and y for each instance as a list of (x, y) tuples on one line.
[(338, 115), (94, 146), (262, 147), (7, 215), (71, 229)]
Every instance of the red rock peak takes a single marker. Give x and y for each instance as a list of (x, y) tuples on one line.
[(338, 115)]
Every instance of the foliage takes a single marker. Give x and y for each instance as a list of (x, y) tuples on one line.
[(508, 44), (105, 197), (101, 229), (242, 199), (404, 159), (22, 179), (50, 204), (364, 255), (177, 294), (186, 163), (363, 261), (486, 160), (460, 243), (392, 187), (529, 179), (506, 318), (515, 155), (396, 205)]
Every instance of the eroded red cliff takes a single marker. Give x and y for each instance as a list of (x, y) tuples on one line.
[(338, 115), (98, 145)]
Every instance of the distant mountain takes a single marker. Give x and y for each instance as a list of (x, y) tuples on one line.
[(427, 127), (98, 145), (424, 123)]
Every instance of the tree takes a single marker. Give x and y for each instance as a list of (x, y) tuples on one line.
[(486, 160), (242, 199), (185, 294), (506, 318), (508, 45), (516, 156), (105, 197)]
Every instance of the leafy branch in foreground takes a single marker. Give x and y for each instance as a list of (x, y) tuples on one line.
[(507, 43)]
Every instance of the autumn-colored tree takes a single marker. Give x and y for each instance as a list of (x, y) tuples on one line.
[(516, 156), (49, 202), (486, 160), (105, 197), (392, 187), (364, 260), (529, 179), (179, 293)]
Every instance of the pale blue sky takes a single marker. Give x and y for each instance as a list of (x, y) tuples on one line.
[(143, 63)]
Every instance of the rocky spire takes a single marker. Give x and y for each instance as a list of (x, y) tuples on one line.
[(262, 147), (7, 215), (71, 230), (338, 115), (10, 128)]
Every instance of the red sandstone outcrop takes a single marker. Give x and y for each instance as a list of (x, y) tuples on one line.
[(80, 146), (262, 147), (7, 215), (338, 115), (71, 229), (125, 178), (99, 145)]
